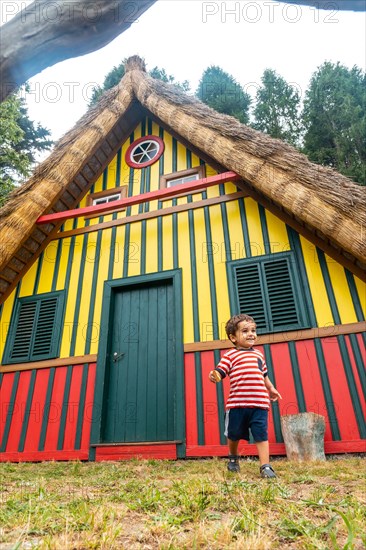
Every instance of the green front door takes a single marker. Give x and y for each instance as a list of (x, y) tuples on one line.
[(141, 368)]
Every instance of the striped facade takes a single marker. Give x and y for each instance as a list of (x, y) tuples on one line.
[(47, 408)]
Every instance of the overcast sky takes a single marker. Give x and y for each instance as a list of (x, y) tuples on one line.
[(186, 36)]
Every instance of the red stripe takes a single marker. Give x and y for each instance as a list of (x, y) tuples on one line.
[(18, 412), (88, 409), (5, 395), (36, 411), (271, 430), (190, 399), (55, 410), (210, 410), (342, 401), (355, 373), (245, 449), (73, 407), (311, 382), (138, 199), (284, 379)]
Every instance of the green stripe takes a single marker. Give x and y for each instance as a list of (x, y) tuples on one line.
[(328, 286), (143, 248), (160, 220), (112, 254), (333, 422), (118, 168), (126, 250), (211, 271), (142, 188), (46, 410), (65, 405), (188, 159), (244, 225), (297, 377), (220, 402), (78, 296), (130, 180), (360, 364), (354, 294), (143, 127), (274, 404), (295, 245), (81, 410), (147, 186), (10, 412), (27, 411), (192, 248), (357, 407), (264, 227), (199, 399), (38, 273), (225, 225), (105, 178), (149, 126), (57, 265), (93, 292)]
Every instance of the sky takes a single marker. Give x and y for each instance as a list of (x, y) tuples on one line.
[(186, 36)]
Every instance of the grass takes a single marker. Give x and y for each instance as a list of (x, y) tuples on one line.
[(175, 505)]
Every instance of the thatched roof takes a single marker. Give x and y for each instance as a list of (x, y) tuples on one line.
[(319, 199)]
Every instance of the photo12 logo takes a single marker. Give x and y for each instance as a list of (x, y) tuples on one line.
[(252, 12)]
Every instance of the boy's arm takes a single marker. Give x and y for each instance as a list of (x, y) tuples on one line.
[(273, 393)]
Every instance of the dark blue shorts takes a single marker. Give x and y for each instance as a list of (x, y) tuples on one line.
[(238, 421)]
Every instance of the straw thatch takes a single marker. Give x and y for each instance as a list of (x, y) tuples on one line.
[(318, 198)]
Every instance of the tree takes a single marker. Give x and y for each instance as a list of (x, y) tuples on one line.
[(220, 91), (335, 121), (114, 76), (20, 140), (277, 108)]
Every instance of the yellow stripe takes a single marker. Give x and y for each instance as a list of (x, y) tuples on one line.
[(134, 250), (254, 227), (277, 233), (167, 243), (102, 276), (235, 230), (5, 320), (341, 291), (71, 298), (65, 251), (119, 252), (219, 260), (185, 264), (168, 154), (48, 268), (361, 290), (322, 308), (151, 246), (203, 279), (27, 282)]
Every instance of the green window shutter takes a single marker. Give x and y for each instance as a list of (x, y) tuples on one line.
[(250, 293), (35, 331), (268, 288)]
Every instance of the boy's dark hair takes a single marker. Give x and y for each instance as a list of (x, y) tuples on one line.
[(232, 324)]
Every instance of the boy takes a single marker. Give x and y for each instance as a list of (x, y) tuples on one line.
[(248, 402)]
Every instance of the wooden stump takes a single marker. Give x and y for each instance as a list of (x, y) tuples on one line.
[(303, 435)]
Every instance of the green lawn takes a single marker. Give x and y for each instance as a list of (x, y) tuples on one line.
[(185, 504)]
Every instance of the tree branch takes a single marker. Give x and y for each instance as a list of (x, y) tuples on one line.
[(45, 33)]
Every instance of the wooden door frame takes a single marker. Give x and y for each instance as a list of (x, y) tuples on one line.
[(100, 391)]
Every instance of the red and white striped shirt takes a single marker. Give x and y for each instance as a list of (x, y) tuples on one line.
[(246, 369)]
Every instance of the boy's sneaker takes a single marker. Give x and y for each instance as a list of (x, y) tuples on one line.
[(233, 464), (267, 471)]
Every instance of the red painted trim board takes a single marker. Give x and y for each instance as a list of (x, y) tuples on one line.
[(54, 416), (88, 408), (73, 407), (136, 451), (41, 456), (36, 411), (162, 194)]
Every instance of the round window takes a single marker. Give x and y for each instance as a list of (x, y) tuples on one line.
[(144, 151)]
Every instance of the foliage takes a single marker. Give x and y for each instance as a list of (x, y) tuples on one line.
[(183, 504), (114, 76), (335, 120), (276, 110), (20, 140), (223, 93)]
